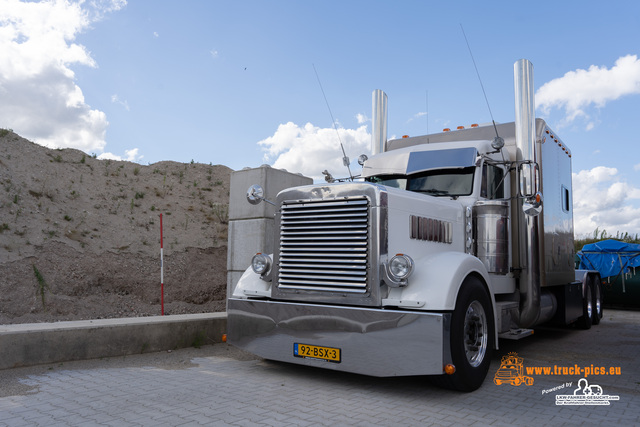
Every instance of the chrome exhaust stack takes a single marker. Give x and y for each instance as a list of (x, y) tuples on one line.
[(525, 111), (530, 243), (379, 122)]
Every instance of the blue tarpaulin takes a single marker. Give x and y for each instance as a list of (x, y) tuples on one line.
[(609, 257)]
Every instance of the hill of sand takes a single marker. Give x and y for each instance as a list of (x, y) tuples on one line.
[(80, 237)]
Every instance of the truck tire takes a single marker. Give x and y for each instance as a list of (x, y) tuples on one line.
[(586, 320), (597, 301), (471, 340)]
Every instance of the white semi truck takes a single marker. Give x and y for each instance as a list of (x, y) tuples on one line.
[(448, 242)]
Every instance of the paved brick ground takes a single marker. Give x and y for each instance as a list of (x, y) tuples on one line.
[(219, 385)]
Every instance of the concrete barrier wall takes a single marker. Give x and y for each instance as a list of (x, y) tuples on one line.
[(40, 343)]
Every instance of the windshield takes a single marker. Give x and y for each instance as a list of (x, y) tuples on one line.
[(443, 182)]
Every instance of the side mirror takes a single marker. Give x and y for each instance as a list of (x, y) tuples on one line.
[(532, 206), (528, 175), (255, 195), (529, 181)]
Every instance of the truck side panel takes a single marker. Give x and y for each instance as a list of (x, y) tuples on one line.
[(558, 263)]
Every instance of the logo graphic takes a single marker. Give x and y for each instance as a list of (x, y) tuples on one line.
[(585, 394), (512, 371)]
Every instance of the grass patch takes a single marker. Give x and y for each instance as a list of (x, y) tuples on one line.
[(42, 286), (199, 339)]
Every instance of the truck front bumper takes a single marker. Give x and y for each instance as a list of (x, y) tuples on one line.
[(373, 342)]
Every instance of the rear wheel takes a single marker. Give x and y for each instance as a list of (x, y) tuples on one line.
[(471, 339), (586, 320), (597, 301)]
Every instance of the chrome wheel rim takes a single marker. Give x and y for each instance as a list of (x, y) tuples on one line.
[(475, 334)]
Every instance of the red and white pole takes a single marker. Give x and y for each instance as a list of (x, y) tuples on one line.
[(161, 272)]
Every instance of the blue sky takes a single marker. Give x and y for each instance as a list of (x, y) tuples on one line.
[(233, 83)]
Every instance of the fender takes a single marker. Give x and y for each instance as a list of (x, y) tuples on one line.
[(437, 278), (436, 281), (250, 284)]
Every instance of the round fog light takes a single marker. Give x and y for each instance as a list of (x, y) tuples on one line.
[(260, 264), (400, 266)]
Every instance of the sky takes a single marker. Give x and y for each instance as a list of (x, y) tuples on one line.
[(284, 83)]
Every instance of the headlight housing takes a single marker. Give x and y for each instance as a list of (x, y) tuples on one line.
[(261, 264), (397, 271), (400, 267)]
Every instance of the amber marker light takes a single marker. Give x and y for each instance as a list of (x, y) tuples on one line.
[(446, 130), (224, 337), (449, 369), (475, 125), (405, 136), (460, 127)]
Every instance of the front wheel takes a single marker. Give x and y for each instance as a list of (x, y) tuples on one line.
[(471, 337)]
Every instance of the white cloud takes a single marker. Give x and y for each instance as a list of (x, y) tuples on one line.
[(601, 199), (109, 156), (361, 118), (577, 90), (214, 53), (155, 34), (116, 100), (130, 156), (38, 95), (310, 150), (417, 116)]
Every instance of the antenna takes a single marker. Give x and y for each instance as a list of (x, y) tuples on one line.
[(345, 159), (481, 85), (427, 105)]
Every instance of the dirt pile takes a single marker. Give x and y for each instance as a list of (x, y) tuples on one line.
[(80, 237)]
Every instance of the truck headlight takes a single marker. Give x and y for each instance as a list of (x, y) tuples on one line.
[(260, 264), (400, 267)]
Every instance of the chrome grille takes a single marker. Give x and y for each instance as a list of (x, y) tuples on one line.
[(324, 245)]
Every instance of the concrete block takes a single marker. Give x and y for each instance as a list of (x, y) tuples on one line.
[(272, 181), (246, 238)]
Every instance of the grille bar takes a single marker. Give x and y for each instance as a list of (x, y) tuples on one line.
[(324, 245)]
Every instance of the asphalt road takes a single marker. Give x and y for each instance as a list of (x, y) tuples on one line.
[(220, 385)]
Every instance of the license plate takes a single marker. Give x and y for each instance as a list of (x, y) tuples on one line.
[(329, 354)]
